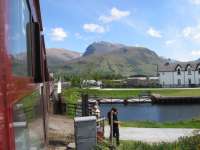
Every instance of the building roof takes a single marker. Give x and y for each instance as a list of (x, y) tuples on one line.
[(168, 67)]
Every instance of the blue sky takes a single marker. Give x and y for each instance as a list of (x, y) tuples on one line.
[(171, 28)]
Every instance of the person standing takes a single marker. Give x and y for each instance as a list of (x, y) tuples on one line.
[(96, 111), (114, 124)]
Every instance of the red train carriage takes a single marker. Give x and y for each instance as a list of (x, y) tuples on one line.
[(24, 85)]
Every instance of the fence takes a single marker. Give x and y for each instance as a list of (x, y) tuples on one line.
[(29, 113), (73, 109)]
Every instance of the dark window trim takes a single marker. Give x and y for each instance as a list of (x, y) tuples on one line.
[(189, 71), (178, 71)]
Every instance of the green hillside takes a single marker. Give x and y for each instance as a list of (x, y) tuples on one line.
[(122, 60)]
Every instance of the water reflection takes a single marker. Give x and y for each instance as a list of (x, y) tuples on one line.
[(28, 123), (147, 111), (18, 19)]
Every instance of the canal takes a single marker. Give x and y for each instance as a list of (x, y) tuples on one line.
[(147, 111)]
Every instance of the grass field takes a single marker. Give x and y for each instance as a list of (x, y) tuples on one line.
[(29, 102), (184, 143), (73, 94), (193, 123)]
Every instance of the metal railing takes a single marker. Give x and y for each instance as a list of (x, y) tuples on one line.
[(73, 109)]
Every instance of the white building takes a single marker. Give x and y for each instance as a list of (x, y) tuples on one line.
[(179, 74)]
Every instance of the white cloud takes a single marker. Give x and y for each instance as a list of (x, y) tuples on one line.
[(195, 53), (58, 34), (196, 2), (115, 14), (90, 27), (78, 35), (169, 42), (192, 33), (154, 33), (187, 31)]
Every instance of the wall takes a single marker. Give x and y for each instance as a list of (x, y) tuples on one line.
[(170, 79)]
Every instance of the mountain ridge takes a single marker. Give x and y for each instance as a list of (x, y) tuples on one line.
[(103, 57), (115, 58)]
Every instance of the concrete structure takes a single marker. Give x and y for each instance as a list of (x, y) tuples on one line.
[(142, 81), (85, 132), (179, 74)]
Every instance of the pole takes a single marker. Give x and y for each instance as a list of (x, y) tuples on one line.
[(112, 147), (111, 129)]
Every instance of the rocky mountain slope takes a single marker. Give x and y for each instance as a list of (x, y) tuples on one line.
[(115, 58)]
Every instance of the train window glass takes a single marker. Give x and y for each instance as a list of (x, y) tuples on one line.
[(19, 18), (28, 123)]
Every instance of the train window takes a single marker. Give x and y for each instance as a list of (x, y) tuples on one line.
[(28, 123), (19, 18)]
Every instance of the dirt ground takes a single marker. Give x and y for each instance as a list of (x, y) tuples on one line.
[(61, 132)]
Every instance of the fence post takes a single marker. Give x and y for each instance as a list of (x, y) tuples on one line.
[(85, 105), (112, 147)]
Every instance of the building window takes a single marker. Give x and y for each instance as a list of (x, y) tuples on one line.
[(179, 71), (179, 81), (189, 81), (189, 71), (199, 70)]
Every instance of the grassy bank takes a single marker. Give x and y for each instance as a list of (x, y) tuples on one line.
[(73, 94), (184, 143), (177, 92), (193, 123)]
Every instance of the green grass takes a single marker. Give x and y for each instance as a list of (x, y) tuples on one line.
[(178, 92), (112, 93), (29, 102), (73, 94), (193, 123), (184, 143)]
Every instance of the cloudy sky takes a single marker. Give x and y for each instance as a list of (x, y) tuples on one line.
[(171, 28)]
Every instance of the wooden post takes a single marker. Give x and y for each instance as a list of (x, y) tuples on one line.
[(112, 147), (103, 127), (85, 105), (111, 128)]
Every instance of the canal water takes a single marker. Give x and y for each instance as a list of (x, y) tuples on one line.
[(147, 111)]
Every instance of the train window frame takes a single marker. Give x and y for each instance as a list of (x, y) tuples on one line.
[(29, 43), (37, 52), (25, 8), (35, 60)]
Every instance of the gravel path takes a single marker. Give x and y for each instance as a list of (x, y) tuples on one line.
[(153, 135), (61, 131)]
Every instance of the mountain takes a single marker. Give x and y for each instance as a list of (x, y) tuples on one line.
[(56, 57), (102, 47), (115, 58)]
